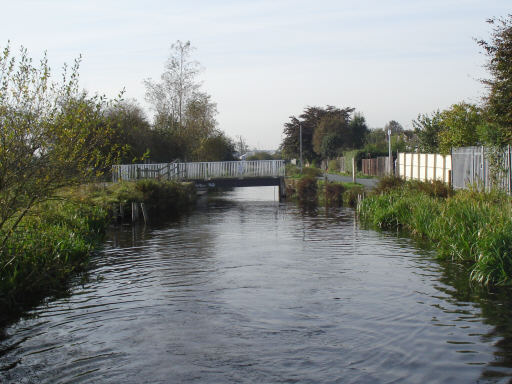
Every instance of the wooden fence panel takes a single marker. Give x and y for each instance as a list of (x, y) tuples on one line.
[(376, 166)]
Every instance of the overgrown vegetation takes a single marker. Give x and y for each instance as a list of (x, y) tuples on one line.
[(54, 241), (309, 190), (48, 246), (161, 198), (293, 171), (468, 227)]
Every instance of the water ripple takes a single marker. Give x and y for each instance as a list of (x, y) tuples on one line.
[(248, 290)]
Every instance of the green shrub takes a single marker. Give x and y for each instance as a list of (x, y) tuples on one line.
[(332, 166), (292, 170), (434, 188), (333, 193), (350, 196), (307, 189), (312, 172), (388, 183)]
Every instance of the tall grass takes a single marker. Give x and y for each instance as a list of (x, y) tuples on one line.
[(49, 246), (54, 242), (467, 227)]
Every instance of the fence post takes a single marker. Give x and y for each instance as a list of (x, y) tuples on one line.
[(444, 168), (404, 165), (509, 170), (354, 169), (412, 166), (482, 167), (435, 166), (419, 164), (425, 156)]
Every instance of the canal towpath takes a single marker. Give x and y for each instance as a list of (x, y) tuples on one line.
[(367, 183)]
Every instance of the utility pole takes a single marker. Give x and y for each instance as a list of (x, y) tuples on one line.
[(390, 159), (300, 140)]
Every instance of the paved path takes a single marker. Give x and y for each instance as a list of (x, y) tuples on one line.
[(368, 183)]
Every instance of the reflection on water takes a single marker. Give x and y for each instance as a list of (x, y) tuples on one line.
[(247, 290)]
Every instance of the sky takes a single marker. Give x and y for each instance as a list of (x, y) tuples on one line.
[(264, 61)]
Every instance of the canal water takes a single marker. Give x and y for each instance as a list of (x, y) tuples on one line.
[(247, 290)]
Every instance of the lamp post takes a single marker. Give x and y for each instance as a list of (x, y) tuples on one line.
[(390, 159), (300, 141)]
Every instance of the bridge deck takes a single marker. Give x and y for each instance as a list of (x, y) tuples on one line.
[(201, 171)]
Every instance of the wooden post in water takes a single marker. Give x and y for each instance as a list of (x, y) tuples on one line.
[(509, 171), (282, 189), (135, 212), (144, 213)]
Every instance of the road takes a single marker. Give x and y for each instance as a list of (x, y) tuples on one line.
[(368, 183)]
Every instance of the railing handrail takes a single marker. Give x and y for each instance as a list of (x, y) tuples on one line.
[(200, 170)]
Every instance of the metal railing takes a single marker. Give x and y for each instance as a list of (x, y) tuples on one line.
[(471, 166), (199, 170)]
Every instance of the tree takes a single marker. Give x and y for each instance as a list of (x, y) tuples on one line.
[(309, 120), (130, 130), (395, 127), (499, 53), (184, 115), (359, 130), (427, 129), (460, 126), (335, 125), (331, 145), (51, 134), (199, 122), (241, 146), (216, 147), (331, 133), (177, 85), (262, 155)]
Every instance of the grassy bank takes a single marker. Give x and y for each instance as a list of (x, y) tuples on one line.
[(307, 189), (55, 240), (467, 227)]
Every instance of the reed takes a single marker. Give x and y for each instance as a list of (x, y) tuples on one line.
[(55, 241), (468, 227), (48, 247)]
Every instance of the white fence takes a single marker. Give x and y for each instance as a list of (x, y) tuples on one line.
[(199, 170), (424, 166)]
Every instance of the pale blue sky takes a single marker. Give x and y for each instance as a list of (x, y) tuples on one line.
[(266, 60)]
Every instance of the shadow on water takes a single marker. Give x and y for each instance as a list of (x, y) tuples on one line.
[(495, 306)]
